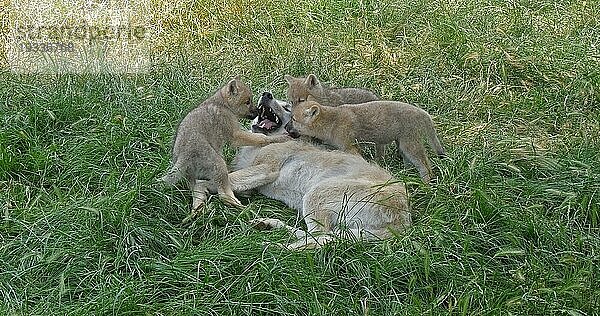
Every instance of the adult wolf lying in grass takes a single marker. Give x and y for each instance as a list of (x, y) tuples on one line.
[(336, 193)]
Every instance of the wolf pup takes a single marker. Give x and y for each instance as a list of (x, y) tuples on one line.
[(198, 147), (309, 88), (381, 122)]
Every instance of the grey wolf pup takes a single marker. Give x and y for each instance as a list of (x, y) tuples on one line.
[(198, 147), (381, 122), (310, 88), (336, 193)]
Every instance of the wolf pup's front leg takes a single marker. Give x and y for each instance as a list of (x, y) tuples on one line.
[(245, 138)]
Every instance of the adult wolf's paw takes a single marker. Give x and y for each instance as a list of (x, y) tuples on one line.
[(267, 223)]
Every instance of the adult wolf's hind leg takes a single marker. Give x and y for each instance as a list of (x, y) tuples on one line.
[(273, 223), (305, 241), (252, 177), (310, 242)]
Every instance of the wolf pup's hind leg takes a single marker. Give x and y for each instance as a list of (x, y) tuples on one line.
[(224, 186), (215, 169)]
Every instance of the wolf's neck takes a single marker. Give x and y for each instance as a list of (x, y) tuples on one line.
[(332, 119)]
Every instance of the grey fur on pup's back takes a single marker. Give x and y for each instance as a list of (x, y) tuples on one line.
[(310, 88)]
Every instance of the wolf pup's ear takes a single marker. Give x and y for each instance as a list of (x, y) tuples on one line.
[(237, 77), (232, 87), (313, 110), (288, 78), (312, 81)]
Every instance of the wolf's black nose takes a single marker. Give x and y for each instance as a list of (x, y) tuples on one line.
[(267, 95)]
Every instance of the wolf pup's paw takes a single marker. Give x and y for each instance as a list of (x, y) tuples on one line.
[(231, 200), (194, 213), (280, 138)]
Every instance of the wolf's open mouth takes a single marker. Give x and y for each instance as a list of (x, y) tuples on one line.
[(267, 119)]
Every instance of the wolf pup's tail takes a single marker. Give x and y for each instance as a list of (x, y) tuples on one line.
[(435, 144)]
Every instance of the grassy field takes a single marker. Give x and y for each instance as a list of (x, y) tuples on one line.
[(510, 228)]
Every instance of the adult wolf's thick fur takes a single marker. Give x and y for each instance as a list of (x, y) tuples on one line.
[(335, 192)]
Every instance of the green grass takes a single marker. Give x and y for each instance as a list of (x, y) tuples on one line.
[(511, 227)]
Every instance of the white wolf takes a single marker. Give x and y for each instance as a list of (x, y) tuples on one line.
[(335, 192)]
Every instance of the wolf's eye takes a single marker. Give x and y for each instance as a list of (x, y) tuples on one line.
[(301, 100)]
